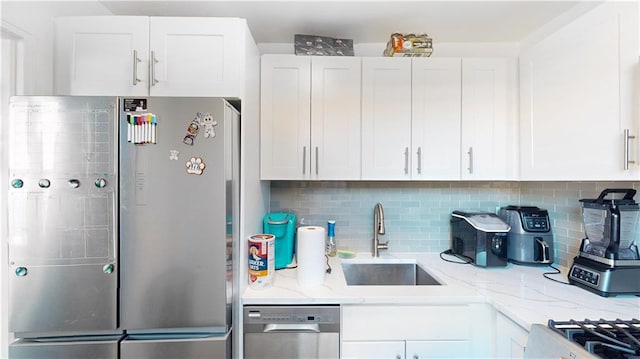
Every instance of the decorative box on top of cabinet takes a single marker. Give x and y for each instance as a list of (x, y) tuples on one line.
[(579, 90), (310, 118), (156, 56)]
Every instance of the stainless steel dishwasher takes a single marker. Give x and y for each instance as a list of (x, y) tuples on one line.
[(291, 332)]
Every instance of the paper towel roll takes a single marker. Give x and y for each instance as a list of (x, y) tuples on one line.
[(310, 256)]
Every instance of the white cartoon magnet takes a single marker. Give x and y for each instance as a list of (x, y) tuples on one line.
[(195, 166), (173, 155), (209, 123)]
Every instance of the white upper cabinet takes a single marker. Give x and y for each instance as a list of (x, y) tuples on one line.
[(386, 118), (285, 113), (335, 118), (157, 56), (97, 55), (488, 116), (435, 132), (438, 119), (310, 118), (195, 56), (578, 91)]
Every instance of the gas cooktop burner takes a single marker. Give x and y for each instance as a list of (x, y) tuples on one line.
[(604, 338)]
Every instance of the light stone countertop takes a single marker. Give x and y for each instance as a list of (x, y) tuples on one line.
[(519, 292)]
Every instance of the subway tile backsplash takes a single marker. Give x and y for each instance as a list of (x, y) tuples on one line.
[(417, 213)]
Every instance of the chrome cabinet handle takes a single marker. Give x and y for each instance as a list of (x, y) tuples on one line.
[(153, 62), (304, 159), (419, 153), (627, 159), (135, 67), (406, 160), (316, 160), (470, 153)]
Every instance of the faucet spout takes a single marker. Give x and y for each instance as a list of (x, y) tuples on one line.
[(378, 229)]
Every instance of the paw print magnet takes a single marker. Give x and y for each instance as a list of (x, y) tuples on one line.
[(209, 123), (195, 166)]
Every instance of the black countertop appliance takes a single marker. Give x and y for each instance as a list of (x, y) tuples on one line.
[(530, 237), (608, 262), (479, 237)]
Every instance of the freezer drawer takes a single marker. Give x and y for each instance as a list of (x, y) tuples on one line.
[(155, 347), (31, 349)]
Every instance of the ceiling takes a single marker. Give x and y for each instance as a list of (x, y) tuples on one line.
[(367, 21)]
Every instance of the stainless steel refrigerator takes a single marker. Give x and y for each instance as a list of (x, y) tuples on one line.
[(122, 224)]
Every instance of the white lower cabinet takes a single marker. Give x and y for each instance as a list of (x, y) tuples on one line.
[(511, 338), (374, 349), (438, 349), (418, 331)]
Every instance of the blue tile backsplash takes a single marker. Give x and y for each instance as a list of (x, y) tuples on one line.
[(417, 213)]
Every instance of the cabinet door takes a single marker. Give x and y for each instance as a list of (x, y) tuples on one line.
[(335, 118), (195, 56), (285, 117), (386, 118), (485, 116), (577, 98), (435, 118), (439, 349), (373, 350), (511, 338), (102, 55)]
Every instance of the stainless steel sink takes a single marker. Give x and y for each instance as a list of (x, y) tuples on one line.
[(386, 274)]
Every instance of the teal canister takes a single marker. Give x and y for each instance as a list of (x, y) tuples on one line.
[(283, 226)]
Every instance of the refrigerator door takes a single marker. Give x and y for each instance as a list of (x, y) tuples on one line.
[(213, 347), (95, 349), (174, 202), (62, 199)]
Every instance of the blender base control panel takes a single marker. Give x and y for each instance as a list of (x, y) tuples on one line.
[(585, 275)]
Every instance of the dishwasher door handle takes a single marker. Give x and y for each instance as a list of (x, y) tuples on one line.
[(303, 328)]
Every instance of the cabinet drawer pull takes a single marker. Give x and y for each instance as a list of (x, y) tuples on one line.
[(135, 67), (316, 160), (470, 153), (627, 158), (419, 153)]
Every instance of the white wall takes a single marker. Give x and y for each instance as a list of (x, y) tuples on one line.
[(452, 49), (34, 21)]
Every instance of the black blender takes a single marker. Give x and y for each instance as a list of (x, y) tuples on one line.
[(609, 263)]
